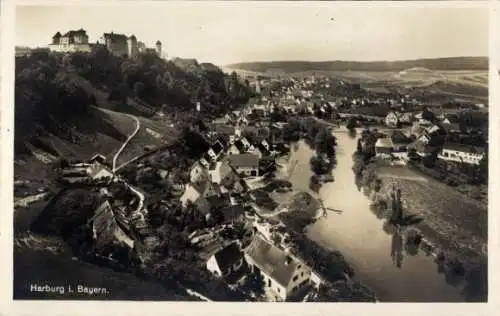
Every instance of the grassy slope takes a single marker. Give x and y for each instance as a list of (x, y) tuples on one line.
[(41, 267), (446, 212)]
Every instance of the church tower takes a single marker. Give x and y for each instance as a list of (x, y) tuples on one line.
[(158, 48)]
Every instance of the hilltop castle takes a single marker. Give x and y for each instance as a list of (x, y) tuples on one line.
[(117, 44)]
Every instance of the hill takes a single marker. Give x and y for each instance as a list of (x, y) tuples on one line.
[(451, 63), (73, 106)]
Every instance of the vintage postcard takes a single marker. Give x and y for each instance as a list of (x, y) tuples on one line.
[(249, 152)]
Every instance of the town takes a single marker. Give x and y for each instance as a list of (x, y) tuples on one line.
[(224, 212)]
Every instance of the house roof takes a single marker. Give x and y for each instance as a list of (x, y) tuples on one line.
[(244, 160), (272, 261), (464, 148), (451, 126), (228, 255), (57, 35), (114, 36), (75, 33), (420, 147), (384, 142), (232, 212), (224, 129), (399, 137)]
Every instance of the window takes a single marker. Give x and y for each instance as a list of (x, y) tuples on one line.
[(295, 278), (302, 274), (253, 173), (269, 283)]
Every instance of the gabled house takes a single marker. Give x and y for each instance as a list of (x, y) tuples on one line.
[(197, 194), (218, 147), (384, 147), (421, 148), (240, 146), (392, 119), (283, 274), (400, 141), (246, 165), (227, 263), (198, 171), (229, 179)]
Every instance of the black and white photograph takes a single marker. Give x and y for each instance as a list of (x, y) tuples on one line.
[(250, 152)]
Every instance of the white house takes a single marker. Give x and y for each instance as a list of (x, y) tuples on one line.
[(461, 153), (384, 147), (392, 119), (284, 275)]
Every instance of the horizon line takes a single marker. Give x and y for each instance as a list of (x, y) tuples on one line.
[(356, 61)]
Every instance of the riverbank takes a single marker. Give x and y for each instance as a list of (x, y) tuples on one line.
[(342, 285), (444, 223)]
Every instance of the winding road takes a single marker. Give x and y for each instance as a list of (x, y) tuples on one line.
[(137, 127)]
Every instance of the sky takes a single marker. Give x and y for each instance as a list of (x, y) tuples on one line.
[(225, 33)]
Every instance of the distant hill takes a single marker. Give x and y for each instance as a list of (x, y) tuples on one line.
[(451, 63)]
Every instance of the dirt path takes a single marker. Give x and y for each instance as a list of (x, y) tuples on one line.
[(137, 127)]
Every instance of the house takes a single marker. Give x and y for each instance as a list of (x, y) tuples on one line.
[(227, 130), (406, 118), (245, 164), (232, 213), (450, 127), (384, 147), (197, 194), (228, 263), (198, 171), (461, 153), (105, 229), (98, 158), (83, 172), (424, 138), (284, 275), (240, 146), (400, 141), (421, 148), (229, 179), (218, 148), (205, 160), (392, 119)]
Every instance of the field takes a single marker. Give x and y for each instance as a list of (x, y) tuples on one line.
[(446, 212), (465, 86)]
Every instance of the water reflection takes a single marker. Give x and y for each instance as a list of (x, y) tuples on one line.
[(352, 133), (397, 248)]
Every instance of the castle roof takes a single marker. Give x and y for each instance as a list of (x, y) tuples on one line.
[(57, 35), (158, 43), (132, 37), (71, 33), (115, 36)]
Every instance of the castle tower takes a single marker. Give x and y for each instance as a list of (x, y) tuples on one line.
[(132, 46), (158, 48)]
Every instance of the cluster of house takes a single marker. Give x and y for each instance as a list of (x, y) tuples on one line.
[(283, 275), (94, 171), (114, 217), (229, 167), (117, 44), (425, 137)]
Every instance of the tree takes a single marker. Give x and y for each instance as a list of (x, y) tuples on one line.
[(351, 123), (139, 89)]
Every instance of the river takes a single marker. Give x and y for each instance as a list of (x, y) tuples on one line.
[(377, 255)]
